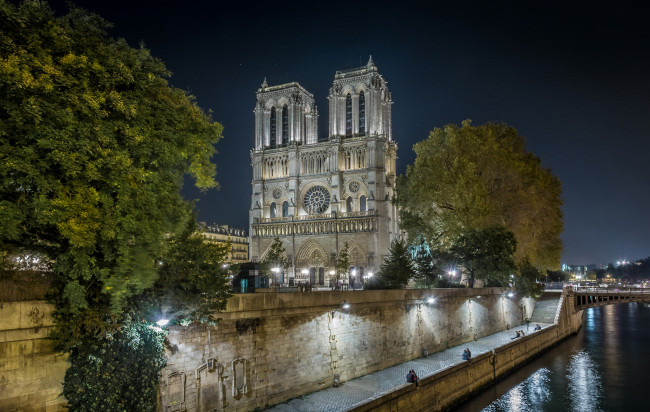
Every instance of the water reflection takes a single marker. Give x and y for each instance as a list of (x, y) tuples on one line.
[(585, 388), (603, 368), (530, 395)]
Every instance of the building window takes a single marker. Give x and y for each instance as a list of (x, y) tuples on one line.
[(273, 209), (362, 114), (348, 205), (273, 127), (362, 204), (348, 115), (285, 125), (285, 209)]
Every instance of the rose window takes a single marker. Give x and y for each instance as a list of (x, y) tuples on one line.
[(277, 193), (317, 200), (354, 187)]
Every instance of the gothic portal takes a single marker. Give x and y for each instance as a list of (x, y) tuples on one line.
[(315, 193)]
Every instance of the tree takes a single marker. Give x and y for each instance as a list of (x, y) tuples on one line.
[(397, 268), (526, 281), (474, 177), (193, 284), (486, 254), (425, 272), (342, 263), (556, 276), (276, 257), (94, 147), (117, 371)]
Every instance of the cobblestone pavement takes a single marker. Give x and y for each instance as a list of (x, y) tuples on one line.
[(369, 386)]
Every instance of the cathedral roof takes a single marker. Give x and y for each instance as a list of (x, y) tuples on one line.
[(266, 88), (368, 68)]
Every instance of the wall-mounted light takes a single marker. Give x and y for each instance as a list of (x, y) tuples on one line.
[(344, 306)]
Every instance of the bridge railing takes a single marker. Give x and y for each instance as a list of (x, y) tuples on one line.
[(627, 290)]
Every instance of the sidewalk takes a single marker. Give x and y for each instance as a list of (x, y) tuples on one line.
[(358, 390)]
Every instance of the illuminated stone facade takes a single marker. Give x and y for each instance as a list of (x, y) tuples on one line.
[(314, 193), (223, 234)]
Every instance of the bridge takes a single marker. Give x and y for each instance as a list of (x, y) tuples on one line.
[(585, 298)]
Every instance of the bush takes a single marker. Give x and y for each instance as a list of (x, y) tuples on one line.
[(116, 372)]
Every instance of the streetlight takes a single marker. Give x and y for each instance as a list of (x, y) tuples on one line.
[(275, 271)]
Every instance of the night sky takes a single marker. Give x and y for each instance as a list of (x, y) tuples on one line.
[(573, 79)]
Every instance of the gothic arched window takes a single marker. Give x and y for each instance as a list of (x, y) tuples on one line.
[(348, 115), (348, 205), (362, 204), (285, 125), (273, 209), (273, 128), (285, 209), (362, 114)]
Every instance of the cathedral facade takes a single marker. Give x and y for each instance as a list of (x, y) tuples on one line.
[(316, 194)]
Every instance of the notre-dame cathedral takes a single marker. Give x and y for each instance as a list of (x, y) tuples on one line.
[(316, 194)]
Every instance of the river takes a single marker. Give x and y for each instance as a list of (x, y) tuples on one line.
[(605, 367)]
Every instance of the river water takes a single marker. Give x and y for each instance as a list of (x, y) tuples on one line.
[(605, 367)]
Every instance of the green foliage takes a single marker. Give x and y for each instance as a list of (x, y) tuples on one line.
[(426, 271), (526, 282), (556, 276), (94, 146), (343, 262), (276, 257), (471, 178), (397, 268), (486, 254), (193, 285), (116, 372)]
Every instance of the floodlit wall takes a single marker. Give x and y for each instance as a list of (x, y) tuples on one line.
[(456, 383), (271, 347), (31, 372), (268, 347)]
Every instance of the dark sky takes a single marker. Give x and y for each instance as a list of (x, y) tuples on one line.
[(573, 78)]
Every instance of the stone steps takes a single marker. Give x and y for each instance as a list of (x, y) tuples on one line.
[(546, 308)]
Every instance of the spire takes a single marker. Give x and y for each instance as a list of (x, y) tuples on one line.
[(370, 62), (265, 84)]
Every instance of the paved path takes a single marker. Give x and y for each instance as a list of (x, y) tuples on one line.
[(368, 386)]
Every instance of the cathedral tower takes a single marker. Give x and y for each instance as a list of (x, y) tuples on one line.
[(316, 195)]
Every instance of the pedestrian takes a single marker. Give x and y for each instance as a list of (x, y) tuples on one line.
[(467, 355), (411, 377), (516, 336)]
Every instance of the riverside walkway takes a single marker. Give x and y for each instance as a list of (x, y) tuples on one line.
[(359, 390)]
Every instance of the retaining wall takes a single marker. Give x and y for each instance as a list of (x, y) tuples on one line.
[(452, 385), (31, 372), (269, 348)]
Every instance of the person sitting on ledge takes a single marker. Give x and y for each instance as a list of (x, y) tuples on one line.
[(522, 333), (537, 327), (516, 336), (411, 377), (467, 355)]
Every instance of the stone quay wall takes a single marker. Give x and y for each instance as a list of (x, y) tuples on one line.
[(31, 372), (271, 347), (268, 347), (443, 390)]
